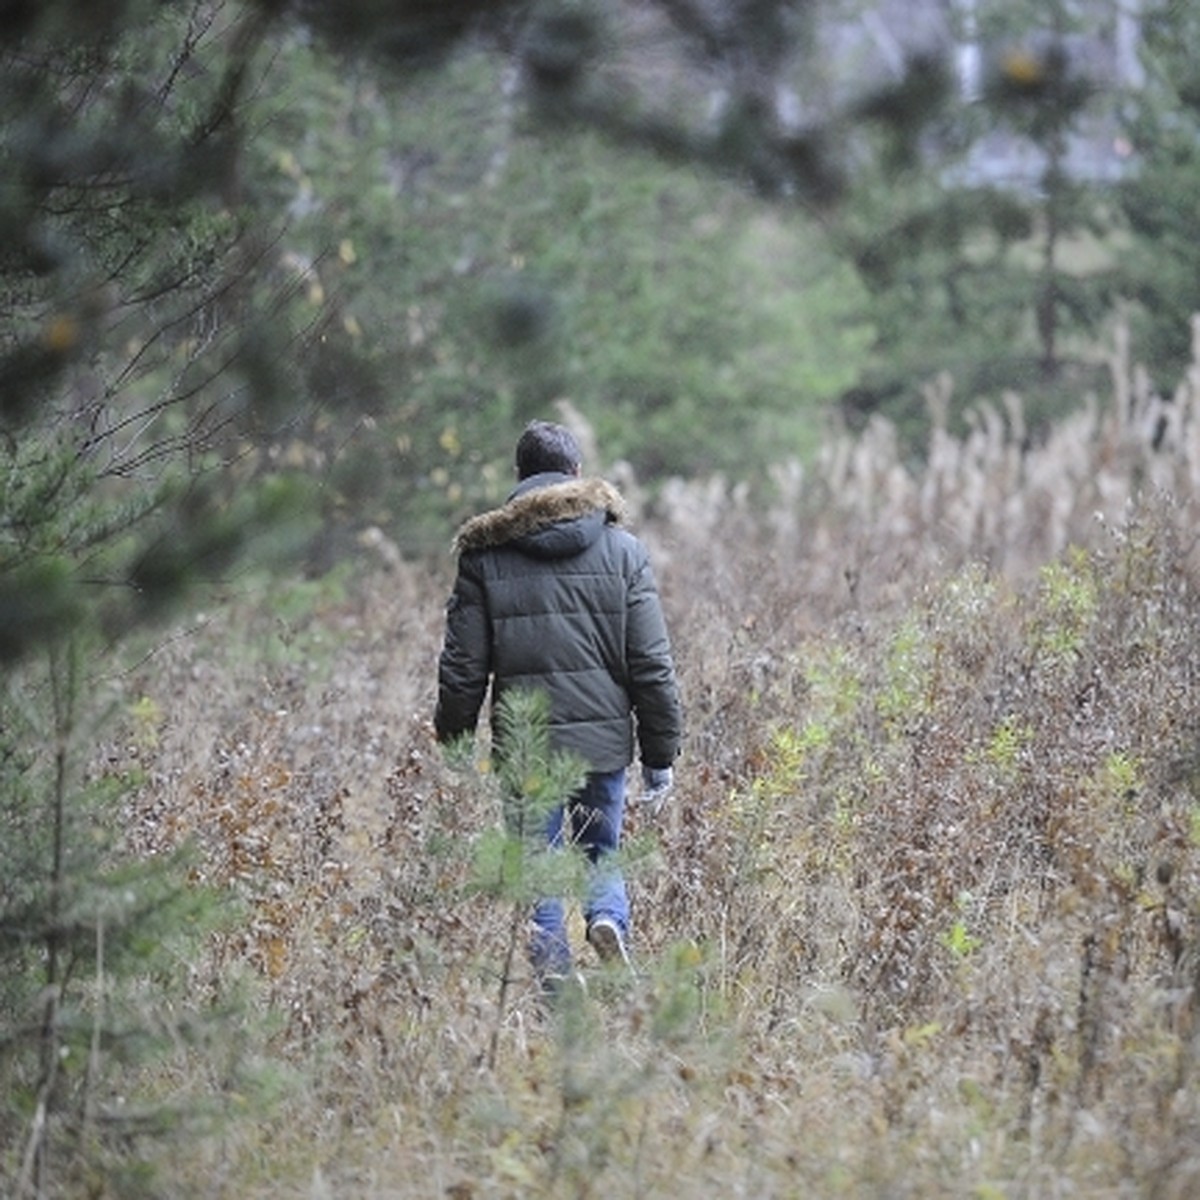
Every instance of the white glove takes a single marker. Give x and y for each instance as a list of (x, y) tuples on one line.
[(657, 783)]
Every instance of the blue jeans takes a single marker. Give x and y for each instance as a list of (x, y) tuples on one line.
[(590, 820)]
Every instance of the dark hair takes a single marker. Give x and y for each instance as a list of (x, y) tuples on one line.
[(545, 446)]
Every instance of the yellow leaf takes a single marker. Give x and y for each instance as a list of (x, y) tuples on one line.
[(346, 252), (60, 333), (922, 1035), (146, 710), (1022, 68), (275, 953)]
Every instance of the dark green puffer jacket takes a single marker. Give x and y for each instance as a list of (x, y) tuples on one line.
[(553, 594)]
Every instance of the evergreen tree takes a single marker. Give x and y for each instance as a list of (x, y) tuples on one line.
[(1161, 199), (92, 942), (971, 272), (138, 383)]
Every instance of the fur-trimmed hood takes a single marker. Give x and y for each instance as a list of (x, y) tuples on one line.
[(546, 516)]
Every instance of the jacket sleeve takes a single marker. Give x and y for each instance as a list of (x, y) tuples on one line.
[(465, 663), (653, 688)]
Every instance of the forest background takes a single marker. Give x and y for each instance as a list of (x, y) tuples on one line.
[(915, 449)]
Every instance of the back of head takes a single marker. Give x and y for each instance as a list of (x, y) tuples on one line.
[(545, 446)]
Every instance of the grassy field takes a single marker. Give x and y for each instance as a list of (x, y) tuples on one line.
[(920, 920)]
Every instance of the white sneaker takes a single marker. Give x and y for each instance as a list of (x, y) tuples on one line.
[(604, 936)]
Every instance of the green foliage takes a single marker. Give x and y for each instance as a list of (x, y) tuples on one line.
[(532, 779), (1007, 745), (529, 768), (138, 467), (1159, 199), (1006, 287), (1068, 606), (683, 993), (487, 274), (96, 945), (959, 941), (1124, 774), (906, 691)]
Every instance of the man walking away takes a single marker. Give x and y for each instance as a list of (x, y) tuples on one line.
[(552, 594)]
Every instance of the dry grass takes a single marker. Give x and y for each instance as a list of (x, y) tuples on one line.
[(920, 922)]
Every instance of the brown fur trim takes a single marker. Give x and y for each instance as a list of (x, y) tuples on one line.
[(536, 509)]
